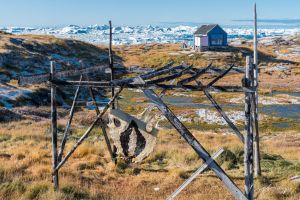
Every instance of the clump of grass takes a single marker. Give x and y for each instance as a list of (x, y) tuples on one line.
[(4, 137), (228, 159), (277, 164), (36, 190), (296, 187), (133, 171), (83, 166), (184, 174), (86, 149), (239, 153), (20, 156), (159, 158), (74, 192), (2, 175), (264, 181), (121, 166), (11, 189), (191, 157), (274, 193)]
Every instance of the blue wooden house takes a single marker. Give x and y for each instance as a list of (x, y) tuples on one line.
[(209, 36)]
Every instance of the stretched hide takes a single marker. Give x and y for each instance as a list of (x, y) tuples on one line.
[(132, 137)]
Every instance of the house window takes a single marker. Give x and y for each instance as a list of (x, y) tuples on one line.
[(217, 39)]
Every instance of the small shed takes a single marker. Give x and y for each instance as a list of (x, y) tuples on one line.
[(209, 36)]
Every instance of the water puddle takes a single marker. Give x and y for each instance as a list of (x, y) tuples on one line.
[(284, 111)]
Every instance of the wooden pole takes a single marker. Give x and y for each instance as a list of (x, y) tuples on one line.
[(54, 126), (257, 168), (111, 62), (248, 146), (255, 58)]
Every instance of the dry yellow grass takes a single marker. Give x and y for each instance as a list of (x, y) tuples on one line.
[(25, 173)]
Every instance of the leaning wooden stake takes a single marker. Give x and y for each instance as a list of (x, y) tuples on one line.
[(68, 126), (102, 124), (257, 168), (223, 114), (195, 174), (248, 146), (54, 126)]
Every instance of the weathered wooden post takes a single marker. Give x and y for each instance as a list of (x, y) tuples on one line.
[(248, 146), (111, 62), (54, 125), (257, 169)]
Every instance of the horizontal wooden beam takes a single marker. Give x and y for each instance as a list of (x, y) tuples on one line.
[(43, 78), (170, 77), (97, 84), (149, 75)]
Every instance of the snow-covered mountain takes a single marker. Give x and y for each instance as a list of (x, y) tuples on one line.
[(142, 34)]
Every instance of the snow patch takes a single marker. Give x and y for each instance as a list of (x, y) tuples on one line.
[(212, 117)]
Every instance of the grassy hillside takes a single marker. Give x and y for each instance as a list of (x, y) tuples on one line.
[(31, 54)]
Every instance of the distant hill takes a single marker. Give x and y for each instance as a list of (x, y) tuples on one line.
[(31, 54)]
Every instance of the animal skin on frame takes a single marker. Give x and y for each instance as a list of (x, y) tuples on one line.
[(133, 138)]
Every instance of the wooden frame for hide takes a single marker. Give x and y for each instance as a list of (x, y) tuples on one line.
[(148, 83)]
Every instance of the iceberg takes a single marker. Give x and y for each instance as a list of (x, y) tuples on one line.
[(98, 34)]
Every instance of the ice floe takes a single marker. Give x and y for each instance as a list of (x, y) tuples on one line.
[(144, 34)]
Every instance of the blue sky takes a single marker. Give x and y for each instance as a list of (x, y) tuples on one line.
[(139, 12)]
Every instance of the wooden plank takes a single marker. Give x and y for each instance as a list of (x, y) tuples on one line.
[(153, 86), (101, 69), (86, 134), (170, 77), (197, 74), (43, 78), (235, 70), (257, 168), (248, 146), (220, 76), (166, 66), (54, 127), (192, 141), (195, 174), (111, 62), (148, 75)]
